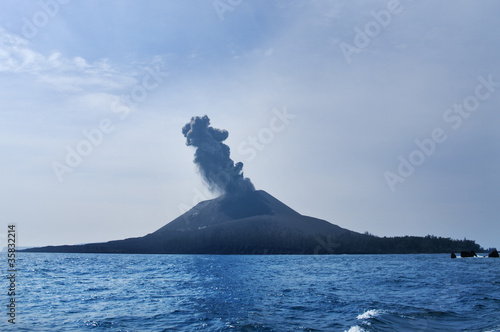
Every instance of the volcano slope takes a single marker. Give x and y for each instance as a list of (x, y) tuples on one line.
[(257, 223)]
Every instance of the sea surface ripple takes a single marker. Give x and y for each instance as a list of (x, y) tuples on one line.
[(102, 292)]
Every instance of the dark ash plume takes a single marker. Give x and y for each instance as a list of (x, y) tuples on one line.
[(212, 157)]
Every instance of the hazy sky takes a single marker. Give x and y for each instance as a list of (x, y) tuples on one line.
[(378, 116)]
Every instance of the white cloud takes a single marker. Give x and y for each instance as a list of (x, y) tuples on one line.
[(64, 74)]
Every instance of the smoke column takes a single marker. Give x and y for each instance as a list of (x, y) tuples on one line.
[(212, 157)]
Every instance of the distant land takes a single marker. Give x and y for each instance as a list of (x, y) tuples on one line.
[(254, 222), (5, 249)]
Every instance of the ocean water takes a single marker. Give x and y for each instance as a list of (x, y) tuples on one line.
[(94, 292)]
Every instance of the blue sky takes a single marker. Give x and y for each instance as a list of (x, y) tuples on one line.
[(318, 127)]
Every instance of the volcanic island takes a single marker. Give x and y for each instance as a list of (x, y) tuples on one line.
[(243, 220)]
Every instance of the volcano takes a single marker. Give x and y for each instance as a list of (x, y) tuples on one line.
[(250, 223), (246, 221), (255, 222)]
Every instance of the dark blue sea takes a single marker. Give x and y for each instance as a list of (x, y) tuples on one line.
[(97, 292)]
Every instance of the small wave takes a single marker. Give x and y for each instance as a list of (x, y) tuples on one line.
[(369, 314), (364, 317)]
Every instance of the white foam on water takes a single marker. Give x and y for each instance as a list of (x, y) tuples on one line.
[(369, 314), (355, 329), (364, 316)]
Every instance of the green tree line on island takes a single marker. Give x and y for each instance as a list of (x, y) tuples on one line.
[(371, 244)]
